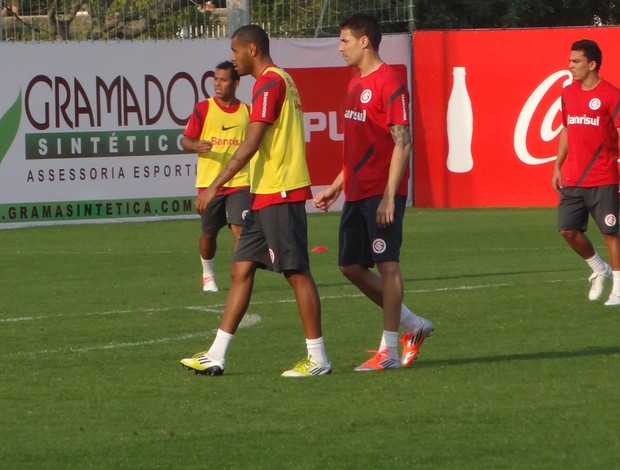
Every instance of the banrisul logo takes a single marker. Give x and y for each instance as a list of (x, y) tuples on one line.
[(9, 124)]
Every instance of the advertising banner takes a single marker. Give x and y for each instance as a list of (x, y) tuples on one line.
[(92, 131), (487, 113)]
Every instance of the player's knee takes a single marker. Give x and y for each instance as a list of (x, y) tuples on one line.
[(569, 234), (389, 269), (351, 272), (241, 272)]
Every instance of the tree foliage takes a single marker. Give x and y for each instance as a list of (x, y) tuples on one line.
[(111, 19), (463, 14), (322, 17), (167, 19)]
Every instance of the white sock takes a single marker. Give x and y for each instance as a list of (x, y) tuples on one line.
[(409, 320), (597, 264), (220, 344), (389, 340), (207, 267), (616, 284), (316, 350)]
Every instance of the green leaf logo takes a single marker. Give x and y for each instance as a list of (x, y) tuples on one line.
[(9, 124)]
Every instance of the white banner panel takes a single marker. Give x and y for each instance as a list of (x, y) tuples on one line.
[(91, 131)]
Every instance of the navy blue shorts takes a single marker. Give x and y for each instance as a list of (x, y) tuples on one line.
[(361, 241)]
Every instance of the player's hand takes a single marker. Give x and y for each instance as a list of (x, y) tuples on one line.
[(202, 201), (203, 146), (385, 212), (556, 180), (325, 198)]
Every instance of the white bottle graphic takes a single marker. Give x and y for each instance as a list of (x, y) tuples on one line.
[(460, 125)]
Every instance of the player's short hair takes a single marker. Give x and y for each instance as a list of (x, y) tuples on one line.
[(228, 65), (590, 50), (364, 25), (254, 34)]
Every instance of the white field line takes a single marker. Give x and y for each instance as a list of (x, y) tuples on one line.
[(217, 308), (214, 309), (248, 321)]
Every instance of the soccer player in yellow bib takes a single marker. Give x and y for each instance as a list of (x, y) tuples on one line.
[(214, 130), (274, 234)]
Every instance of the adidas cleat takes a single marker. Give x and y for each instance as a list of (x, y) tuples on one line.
[(380, 361), (412, 341), (307, 368), (202, 364)]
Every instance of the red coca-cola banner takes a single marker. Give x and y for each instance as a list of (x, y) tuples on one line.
[(487, 113)]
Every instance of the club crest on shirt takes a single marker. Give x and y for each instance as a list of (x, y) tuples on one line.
[(379, 245), (366, 96), (595, 103)]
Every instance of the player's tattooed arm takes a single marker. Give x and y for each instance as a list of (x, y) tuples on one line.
[(401, 135), (228, 172), (400, 158)]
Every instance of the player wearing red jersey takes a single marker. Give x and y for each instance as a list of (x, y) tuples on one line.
[(586, 170), (214, 130), (374, 179), (274, 235)]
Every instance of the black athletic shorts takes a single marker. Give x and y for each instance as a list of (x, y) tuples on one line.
[(361, 241), (225, 209), (576, 203), (276, 237)]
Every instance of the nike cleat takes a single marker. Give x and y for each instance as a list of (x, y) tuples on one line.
[(208, 284)]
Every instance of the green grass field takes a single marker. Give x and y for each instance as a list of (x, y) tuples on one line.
[(520, 373)]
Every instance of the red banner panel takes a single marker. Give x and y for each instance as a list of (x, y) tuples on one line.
[(323, 91), (487, 113)]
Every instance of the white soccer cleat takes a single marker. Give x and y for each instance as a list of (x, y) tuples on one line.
[(598, 284), (208, 284), (614, 299)]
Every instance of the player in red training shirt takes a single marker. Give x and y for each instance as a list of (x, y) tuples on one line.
[(377, 144), (586, 170)]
